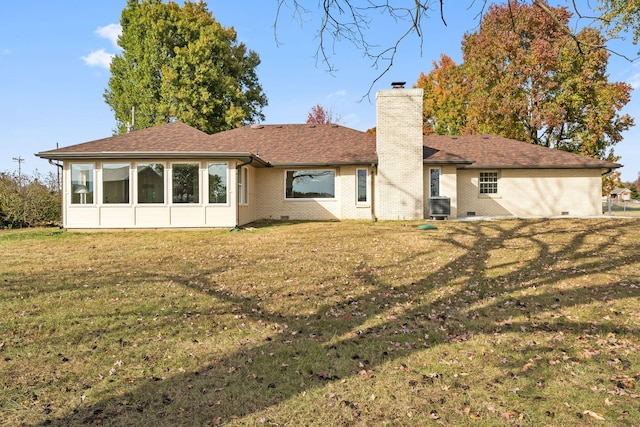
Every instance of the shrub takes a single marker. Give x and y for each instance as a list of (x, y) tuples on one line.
[(29, 200)]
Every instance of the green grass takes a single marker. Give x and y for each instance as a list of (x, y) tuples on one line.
[(512, 322)]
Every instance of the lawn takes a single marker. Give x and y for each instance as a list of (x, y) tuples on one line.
[(490, 323)]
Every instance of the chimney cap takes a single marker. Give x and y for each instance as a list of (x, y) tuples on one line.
[(398, 85)]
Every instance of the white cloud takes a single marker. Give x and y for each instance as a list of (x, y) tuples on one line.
[(336, 94), (110, 32), (634, 81), (98, 58), (102, 58)]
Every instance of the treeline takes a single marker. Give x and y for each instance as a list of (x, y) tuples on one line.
[(29, 200)]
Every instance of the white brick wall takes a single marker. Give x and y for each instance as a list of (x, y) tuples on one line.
[(448, 187), (271, 202), (533, 192), (399, 181)]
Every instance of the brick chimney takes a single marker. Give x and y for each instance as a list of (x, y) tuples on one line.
[(399, 188)]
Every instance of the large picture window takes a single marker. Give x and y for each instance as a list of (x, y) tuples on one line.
[(186, 183), (82, 183), (115, 183), (310, 184), (217, 183), (488, 182), (150, 183)]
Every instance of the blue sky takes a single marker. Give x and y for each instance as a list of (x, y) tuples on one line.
[(54, 70)]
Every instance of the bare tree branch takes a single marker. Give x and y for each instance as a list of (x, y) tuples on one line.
[(352, 21)]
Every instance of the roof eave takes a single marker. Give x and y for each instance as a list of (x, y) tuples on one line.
[(244, 156), (323, 164), (447, 162), (578, 166)]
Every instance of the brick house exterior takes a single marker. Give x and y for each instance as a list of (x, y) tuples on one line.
[(174, 176)]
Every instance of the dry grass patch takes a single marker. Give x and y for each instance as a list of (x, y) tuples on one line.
[(514, 322)]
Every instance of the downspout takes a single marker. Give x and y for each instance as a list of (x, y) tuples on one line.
[(374, 173), (62, 206), (238, 167), (608, 195)]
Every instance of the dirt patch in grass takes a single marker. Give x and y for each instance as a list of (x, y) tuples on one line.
[(513, 322)]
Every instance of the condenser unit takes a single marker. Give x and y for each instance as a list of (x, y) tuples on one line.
[(439, 207)]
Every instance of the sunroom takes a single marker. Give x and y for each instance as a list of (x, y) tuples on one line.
[(156, 193)]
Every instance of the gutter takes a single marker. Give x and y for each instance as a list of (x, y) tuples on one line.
[(52, 155), (374, 174)]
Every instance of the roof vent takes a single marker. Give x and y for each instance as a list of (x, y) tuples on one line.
[(398, 85), (256, 126)]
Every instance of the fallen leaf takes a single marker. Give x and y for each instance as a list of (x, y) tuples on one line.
[(594, 415)]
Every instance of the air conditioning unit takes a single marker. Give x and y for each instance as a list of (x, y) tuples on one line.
[(439, 207)]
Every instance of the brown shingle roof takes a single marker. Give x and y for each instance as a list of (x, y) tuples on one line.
[(303, 144), (300, 144), (170, 137), (495, 152)]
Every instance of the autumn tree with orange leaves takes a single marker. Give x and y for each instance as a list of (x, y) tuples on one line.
[(320, 115), (524, 77)]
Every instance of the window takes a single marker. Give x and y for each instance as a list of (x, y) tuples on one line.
[(150, 183), (310, 184), (243, 186), (115, 183), (434, 182), (81, 184), (362, 187), (488, 182), (217, 183), (186, 183)]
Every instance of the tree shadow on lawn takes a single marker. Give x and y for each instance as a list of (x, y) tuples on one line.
[(339, 341)]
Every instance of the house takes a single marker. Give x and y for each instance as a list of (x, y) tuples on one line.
[(620, 194), (174, 176)]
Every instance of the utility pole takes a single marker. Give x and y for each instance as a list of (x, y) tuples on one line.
[(19, 160)]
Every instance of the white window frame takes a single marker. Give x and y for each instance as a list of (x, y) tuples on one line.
[(302, 199), (243, 186), (367, 201), (102, 192), (200, 186), (431, 170), (165, 185), (93, 181), (208, 189), (487, 183)]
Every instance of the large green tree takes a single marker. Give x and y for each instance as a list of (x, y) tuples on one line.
[(179, 63), (525, 77)]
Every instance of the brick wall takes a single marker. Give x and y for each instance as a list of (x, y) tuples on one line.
[(533, 192), (399, 180), (271, 203)]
